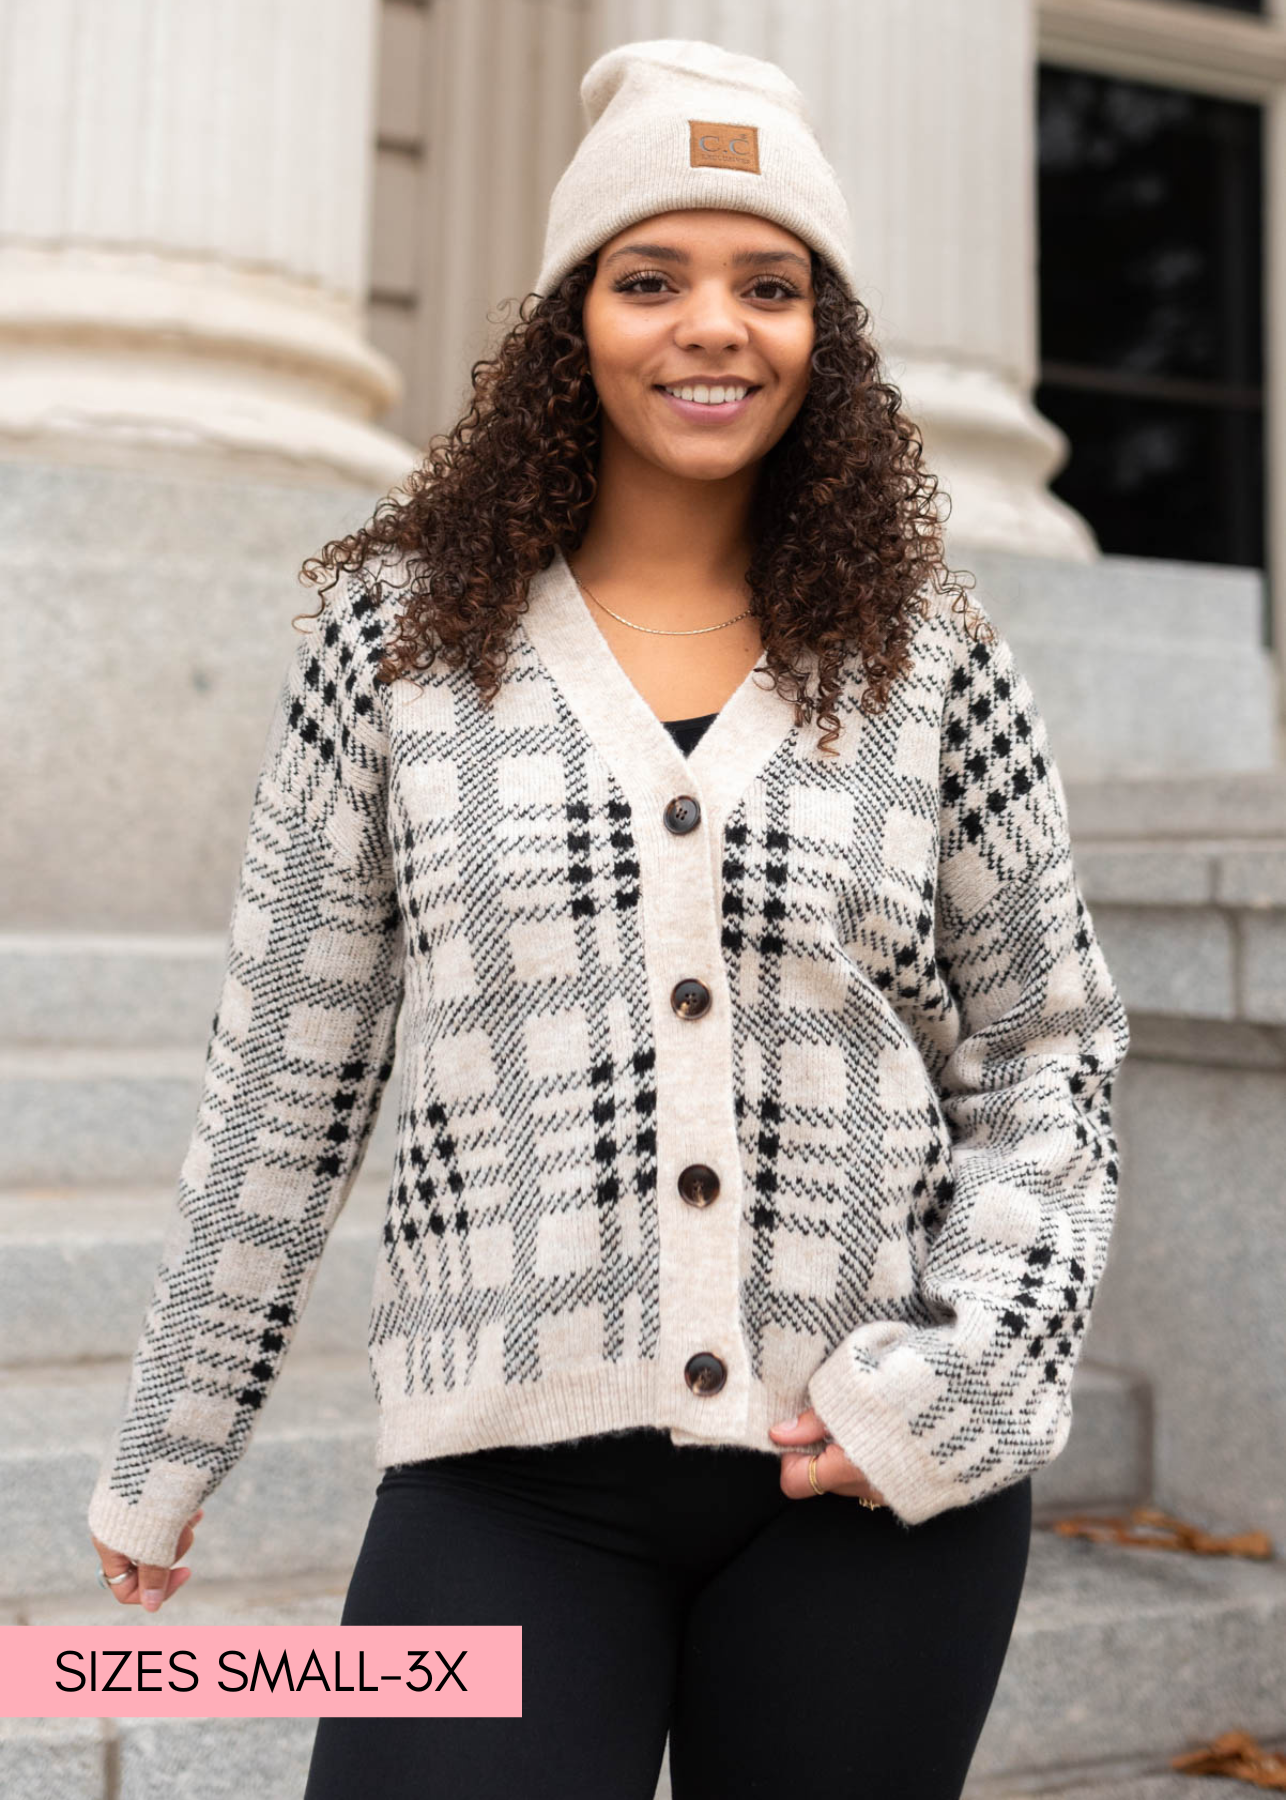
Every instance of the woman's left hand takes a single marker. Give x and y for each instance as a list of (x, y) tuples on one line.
[(835, 1473)]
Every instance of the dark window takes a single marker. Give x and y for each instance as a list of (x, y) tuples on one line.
[(1151, 314)]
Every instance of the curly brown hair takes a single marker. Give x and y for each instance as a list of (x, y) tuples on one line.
[(845, 531)]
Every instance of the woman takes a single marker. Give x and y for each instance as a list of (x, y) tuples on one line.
[(754, 1144)]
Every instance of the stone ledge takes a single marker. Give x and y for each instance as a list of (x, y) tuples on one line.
[(1247, 805), (1194, 961), (1212, 1043), (1141, 665), (1186, 880), (1249, 874)]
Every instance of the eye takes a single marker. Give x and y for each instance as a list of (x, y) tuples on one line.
[(789, 290), (627, 284)]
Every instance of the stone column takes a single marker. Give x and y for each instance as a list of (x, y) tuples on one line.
[(925, 109), (187, 407), (184, 193), (503, 120)]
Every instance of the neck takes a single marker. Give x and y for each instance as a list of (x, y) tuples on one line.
[(657, 532)]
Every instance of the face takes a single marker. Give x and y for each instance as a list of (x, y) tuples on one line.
[(700, 299)]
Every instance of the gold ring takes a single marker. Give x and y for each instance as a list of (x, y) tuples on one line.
[(870, 1505)]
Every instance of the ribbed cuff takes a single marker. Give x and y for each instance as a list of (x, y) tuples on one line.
[(876, 1438), (146, 1532)]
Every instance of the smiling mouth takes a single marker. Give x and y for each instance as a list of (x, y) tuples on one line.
[(690, 394)]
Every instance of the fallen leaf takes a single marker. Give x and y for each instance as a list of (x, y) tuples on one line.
[(1238, 1754), (1152, 1529)]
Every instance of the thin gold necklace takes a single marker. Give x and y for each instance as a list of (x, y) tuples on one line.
[(659, 630)]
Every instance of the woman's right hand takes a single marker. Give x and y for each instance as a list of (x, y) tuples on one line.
[(147, 1585)]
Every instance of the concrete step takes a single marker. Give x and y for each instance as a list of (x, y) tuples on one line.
[(1107, 1460), (1152, 1781), (59, 1759), (1134, 1654), (76, 1271), (1123, 1653), (154, 1759), (118, 990), (102, 1054), (71, 1115)]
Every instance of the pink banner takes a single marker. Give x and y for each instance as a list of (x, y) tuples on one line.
[(261, 1672)]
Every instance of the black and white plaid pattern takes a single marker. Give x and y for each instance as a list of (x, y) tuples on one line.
[(921, 1035)]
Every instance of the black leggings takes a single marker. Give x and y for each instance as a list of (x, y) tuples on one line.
[(786, 1646)]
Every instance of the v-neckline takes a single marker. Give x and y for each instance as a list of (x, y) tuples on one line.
[(747, 729)]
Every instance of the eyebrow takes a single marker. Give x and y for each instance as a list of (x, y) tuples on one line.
[(741, 258)]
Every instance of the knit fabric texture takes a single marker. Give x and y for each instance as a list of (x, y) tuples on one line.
[(897, 1099), (675, 123)]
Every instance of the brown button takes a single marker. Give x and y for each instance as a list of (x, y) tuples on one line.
[(698, 1184), (682, 814), (690, 999), (704, 1373)]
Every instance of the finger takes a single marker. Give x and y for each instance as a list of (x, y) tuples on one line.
[(153, 1585), (807, 1428), (844, 1477), (129, 1593), (115, 1562), (794, 1476), (840, 1476), (860, 1490), (177, 1578), (156, 1584), (833, 1470)]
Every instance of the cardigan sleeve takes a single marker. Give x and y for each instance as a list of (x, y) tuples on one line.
[(299, 1052), (942, 1413)]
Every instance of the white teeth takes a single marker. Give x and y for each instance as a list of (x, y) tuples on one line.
[(708, 396)]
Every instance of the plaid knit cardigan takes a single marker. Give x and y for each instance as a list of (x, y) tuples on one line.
[(732, 1084)]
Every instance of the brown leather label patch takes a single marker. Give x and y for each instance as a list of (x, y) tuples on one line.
[(723, 146)]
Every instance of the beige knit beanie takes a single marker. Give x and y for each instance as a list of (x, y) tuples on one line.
[(677, 123)]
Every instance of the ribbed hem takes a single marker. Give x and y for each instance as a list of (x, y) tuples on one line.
[(555, 1409), (573, 1405)]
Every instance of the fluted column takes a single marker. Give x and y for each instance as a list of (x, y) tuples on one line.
[(504, 119), (925, 107), (187, 407), (184, 191)]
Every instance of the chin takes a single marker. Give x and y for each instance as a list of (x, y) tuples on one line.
[(704, 468)]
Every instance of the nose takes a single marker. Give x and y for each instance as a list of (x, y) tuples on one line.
[(710, 319)]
